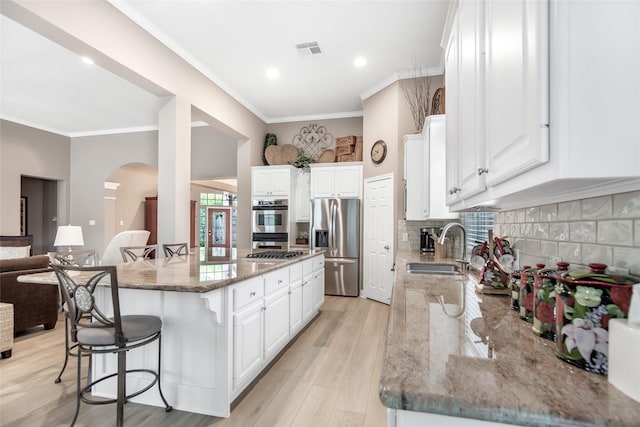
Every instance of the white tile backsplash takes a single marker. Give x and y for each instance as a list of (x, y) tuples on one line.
[(584, 231), (569, 210), (597, 207), (597, 253), (548, 213), (532, 214), (549, 248), (569, 252), (627, 205), (533, 247), (601, 229), (559, 231), (615, 232), (628, 258)]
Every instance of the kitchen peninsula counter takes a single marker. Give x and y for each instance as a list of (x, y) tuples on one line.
[(224, 319), (190, 274), (485, 364)]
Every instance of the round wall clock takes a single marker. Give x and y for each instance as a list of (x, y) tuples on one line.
[(378, 151)]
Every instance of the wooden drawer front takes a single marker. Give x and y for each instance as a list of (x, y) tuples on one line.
[(318, 263), (295, 272), (276, 280), (248, 292)]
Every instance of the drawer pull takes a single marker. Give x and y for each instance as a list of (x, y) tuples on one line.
[(252, 294)]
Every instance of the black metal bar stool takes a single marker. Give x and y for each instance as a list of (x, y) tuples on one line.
[(106, 334)]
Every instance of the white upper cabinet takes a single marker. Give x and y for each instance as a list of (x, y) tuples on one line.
[(271, 181), (415, 189), (424, 172), (464, 74), (529, 118), (303, 205), (516, 50), (339, 181)]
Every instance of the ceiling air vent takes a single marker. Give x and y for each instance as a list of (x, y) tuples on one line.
[(306, 49)]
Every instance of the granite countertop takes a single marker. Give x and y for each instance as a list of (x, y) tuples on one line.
[(189, 274), (486, 364)]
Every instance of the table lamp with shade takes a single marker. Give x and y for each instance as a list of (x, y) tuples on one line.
[(69, 236)]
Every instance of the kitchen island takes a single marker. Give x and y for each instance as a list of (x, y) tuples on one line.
[(475, 360), (225, 318)]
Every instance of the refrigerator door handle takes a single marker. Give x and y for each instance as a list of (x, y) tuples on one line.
[(340, 260), (333, 225)]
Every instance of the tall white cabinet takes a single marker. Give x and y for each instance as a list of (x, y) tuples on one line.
[(529, 120), (424, 172)]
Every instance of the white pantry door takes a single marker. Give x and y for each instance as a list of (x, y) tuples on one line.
[(378, 237)]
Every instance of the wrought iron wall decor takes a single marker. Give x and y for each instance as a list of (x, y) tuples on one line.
[(313, 140)]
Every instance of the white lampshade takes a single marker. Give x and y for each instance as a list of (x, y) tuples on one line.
[(69, 235)]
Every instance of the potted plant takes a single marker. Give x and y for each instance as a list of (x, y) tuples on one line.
[(302, 161)]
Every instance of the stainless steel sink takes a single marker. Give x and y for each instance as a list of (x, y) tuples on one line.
[(431, 268)]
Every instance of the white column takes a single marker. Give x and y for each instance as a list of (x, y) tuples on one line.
[(174, 171)]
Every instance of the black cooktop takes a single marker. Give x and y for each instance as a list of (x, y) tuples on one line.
[(275, 254)]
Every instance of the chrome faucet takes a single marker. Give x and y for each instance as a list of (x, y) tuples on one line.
[(443, 234)]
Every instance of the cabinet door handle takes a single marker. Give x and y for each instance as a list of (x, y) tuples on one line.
[(252, 294), (454, 190), (386, 247), (482, 171)]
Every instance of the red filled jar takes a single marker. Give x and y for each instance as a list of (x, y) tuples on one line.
[(514, 285), (585, 302), (526, 292), (544, 300)]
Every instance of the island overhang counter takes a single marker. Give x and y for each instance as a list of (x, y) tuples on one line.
[(224, 320)]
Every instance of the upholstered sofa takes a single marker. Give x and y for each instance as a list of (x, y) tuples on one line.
[(33, 304)]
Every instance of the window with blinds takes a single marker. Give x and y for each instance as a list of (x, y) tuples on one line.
[(477, 225)]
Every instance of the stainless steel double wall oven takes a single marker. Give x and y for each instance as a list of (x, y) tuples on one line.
[(270, 224)]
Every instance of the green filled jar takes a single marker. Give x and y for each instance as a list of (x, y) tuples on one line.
[(526, 292), (544, 300), (585, 302)]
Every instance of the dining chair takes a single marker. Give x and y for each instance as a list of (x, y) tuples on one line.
[(112, 254), (99, 328), (135, 253), (175, 249), (82, 258)]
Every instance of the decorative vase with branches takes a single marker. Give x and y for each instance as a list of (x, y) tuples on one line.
[(417, 92)]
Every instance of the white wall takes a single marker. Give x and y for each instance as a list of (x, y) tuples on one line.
[(116, 42), (213, 154), (387, 117), (93, 160)]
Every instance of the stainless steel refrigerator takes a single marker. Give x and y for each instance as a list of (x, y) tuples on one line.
[(335, 227)]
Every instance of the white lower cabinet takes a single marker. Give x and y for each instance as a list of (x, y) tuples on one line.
[(276, 322), (295, 298), (307, 290), (295, 306), (317, 283), (248, 354), (267, 311)]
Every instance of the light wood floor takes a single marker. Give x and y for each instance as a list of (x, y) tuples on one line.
[(328, 377)]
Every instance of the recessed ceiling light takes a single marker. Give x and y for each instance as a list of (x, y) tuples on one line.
[(360, 62), (272, 73), (87, 60)]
